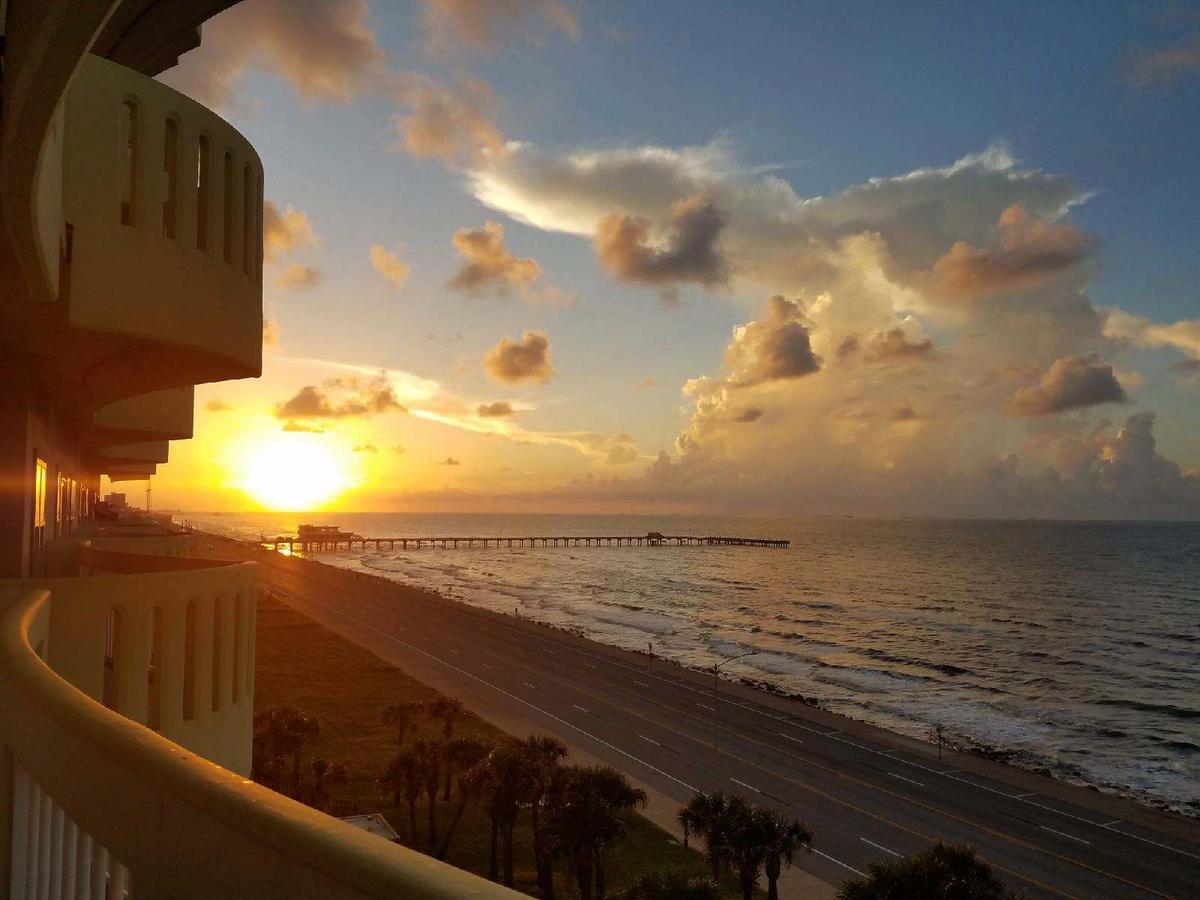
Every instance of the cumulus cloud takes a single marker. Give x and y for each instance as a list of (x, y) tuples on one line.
[(216, 404), (297, 276), (285, 231), (323, 48), (772, 349), (1073, 382), (487, 24), (497, 410), (685, 252), (488, 265), (1030, 252), (892, 345), (448, 121), (747, 414), (302, 428), (525, 360), (341, 397), (388, 264), (1183, 335)]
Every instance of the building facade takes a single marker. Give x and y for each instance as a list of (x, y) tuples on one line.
[(131, 223)]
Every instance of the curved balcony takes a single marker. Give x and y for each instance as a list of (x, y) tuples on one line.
[(160, 415), (100, 805), (163, 204)]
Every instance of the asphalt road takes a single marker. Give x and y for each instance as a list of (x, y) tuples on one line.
[(866, 795)]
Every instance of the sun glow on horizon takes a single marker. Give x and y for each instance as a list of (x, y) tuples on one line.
[(293, 473)]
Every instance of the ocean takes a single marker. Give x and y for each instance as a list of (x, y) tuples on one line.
[(1066, 647)]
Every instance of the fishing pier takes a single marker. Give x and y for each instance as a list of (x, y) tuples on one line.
[(329, 538)]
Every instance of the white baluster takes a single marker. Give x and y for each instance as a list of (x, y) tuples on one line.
[(44, 817), (99, 889), (70, 843), (83, 866), (118, 878), (54, 887), (18, 885)]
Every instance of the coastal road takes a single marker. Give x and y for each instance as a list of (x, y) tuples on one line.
[(866, 794)]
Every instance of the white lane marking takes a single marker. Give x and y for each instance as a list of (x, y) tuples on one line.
[(486, 666), (790, 738), (590, 665), (1064, 834), (839, 862), (1023, 796), (879, 846), (455, 652), (709, 708), (909, 780), (511, 696), (649, 740), (640, 683), (527, 684), (748, 787), (548, 650), (580, 708), (1112, 823)]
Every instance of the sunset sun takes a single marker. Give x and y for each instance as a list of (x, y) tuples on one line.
[(293, 473)]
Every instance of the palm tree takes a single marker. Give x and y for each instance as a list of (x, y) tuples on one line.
[(281, 732), (448, 711), (505, 780), (402, 777), (403, 716), (587, 817), (782, 839), (945, 870), (745, 847), (463, 755), (708, 815), (429, 767), (544, 753)]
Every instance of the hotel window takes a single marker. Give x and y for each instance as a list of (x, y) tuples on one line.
[(112, 657), (130, 162), (202, 178), (237, 649), (38, 535), (60, 512), (217, 634), (154, 697), (189, 661), (171, 177), (247, 220), (227, 209)]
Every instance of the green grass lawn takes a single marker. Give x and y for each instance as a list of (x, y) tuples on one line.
[(301, 663)]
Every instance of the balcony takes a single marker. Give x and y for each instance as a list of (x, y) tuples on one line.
[(161, 285), (118, 691), (158, 416)]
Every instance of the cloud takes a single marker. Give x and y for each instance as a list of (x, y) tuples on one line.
[(355, 397), (1030, 252), (1182, 335), (448, 121), (1148, 68), (389, 265), (450, 461), (366, 448), (285, 232), (487, 24), (270, 339), (747, 414), (1073, 382), (525, 360), (324, 49), (771, 349), (685, 252), (646, 383), (497, 410), (297, 276), (893, 345), (399, 449), (301, 427), (487, 264), (216, 404)]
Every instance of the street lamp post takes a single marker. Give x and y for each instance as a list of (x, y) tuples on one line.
[(716, 699)]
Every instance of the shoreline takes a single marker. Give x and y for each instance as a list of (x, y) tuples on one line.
[(988, 762)]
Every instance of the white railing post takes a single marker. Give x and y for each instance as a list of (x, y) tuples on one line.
[(70, 843), (133, 685), (45, 813), (83, 866), (18, 879), (54, 885), (99, 880)]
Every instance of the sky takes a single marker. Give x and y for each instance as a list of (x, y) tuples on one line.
[(764, 258)]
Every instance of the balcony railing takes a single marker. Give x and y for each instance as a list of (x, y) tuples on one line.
[(97, 806), (163, 199)]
